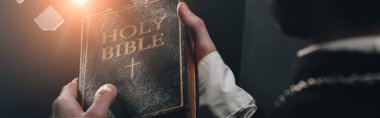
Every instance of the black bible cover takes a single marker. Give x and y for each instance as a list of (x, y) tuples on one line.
[(141, 49)]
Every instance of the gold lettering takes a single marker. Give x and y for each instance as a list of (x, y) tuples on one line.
[(141, 43), (142, 31), (158, 22), (157, 40), (118, 50), (123, 34), (131, 33), (105, 36), (107, 53), (130, 45)]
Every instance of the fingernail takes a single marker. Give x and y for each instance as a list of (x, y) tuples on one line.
[(75, 81), (108, 86), (185, 6)]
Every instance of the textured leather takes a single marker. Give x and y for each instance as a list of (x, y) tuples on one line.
[(159, 81)]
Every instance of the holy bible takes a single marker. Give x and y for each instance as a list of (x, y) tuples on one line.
[(140, 47)]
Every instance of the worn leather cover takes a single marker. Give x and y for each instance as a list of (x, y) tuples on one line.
[(142, 49)]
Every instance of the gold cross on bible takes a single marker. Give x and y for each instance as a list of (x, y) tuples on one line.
[(133, 64)]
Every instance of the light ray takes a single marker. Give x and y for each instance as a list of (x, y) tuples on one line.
[(80, 2)]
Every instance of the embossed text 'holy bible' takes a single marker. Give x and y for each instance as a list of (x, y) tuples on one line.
[(140, 47)]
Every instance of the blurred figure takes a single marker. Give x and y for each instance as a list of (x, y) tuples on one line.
[(338, 74)]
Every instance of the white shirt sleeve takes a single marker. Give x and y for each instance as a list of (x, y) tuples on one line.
[(219, 92)]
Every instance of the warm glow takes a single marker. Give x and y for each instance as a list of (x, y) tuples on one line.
[(80, 2)]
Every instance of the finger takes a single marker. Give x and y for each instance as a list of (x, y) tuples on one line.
[(70, 89), (66, 103), (102, 100), (66, 106), (192, 21), (202, 41)]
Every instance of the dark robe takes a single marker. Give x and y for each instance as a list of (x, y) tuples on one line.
[(360, 100)]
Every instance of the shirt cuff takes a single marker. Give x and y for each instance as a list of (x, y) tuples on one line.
[(218, 90)]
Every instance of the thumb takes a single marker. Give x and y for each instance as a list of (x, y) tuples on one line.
[(192, 21), (202, 41), (102, 101)]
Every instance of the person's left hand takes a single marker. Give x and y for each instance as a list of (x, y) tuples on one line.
[(66, 105), (202, 42)]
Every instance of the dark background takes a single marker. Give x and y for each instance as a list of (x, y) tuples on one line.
[(267, 57), (35, 64)]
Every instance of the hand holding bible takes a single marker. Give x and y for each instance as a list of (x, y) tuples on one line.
[(66, 104)]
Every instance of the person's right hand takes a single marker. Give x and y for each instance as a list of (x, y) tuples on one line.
[(66, 105), (202, 42)]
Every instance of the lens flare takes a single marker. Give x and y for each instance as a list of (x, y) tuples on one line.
[(80, 2)]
